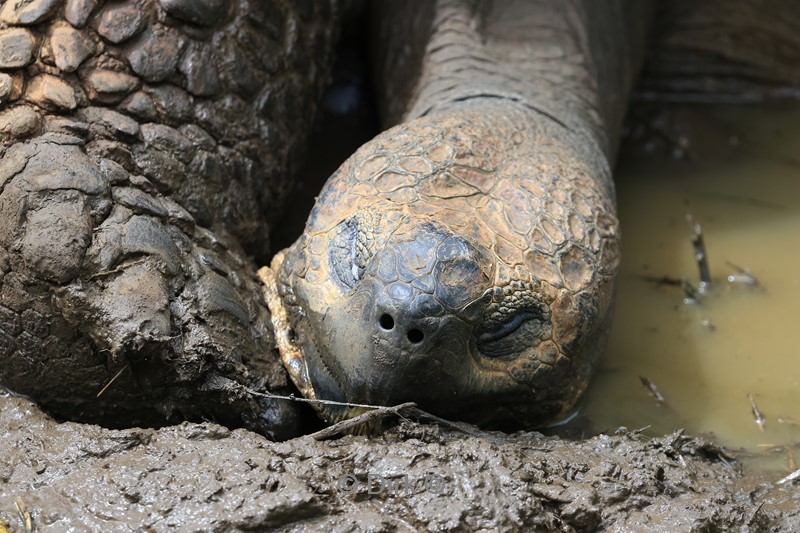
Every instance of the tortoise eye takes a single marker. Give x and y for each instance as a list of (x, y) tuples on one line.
[(524, 330), (513, 322), (509, 327)]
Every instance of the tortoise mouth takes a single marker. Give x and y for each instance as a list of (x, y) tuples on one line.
[(324, 382), (338, 374), (298, 346)]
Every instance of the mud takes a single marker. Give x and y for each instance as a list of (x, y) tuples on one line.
[(204, 477)]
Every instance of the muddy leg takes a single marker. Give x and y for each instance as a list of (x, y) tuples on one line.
[(146, 146)]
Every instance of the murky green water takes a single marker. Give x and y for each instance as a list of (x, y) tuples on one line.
[(742, 183)]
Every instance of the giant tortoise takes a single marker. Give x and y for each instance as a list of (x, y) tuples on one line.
[(464, 259)]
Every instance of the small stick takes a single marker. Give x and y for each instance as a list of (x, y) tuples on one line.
[(723, 459), (755, 514), (653, 390), (458, 426), (24, 515), (112, 380), (759, 418), (692, 296), (293, 398), (700, 254), (663, 280), (743, 276), (365, 418), (791, 477), (410, 410)]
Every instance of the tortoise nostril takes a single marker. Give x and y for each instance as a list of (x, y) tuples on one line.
[(386, 321), (415, 336)]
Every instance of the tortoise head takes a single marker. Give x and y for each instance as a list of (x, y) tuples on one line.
[(403, 291)]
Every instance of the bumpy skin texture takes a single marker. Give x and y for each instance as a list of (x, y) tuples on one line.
[(496, 272), (465, 259), (145, 146)]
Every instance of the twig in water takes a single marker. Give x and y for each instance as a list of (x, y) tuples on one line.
[(743, 276), (791, 477), (759, 418), (663, 280), (112, 380), (700, 254), (692, 295), (653, 390)]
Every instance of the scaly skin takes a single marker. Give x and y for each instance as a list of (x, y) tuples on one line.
[(491, 246), (144, 146), (465, 259)]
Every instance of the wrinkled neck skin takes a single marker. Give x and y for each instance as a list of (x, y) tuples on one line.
[(464, 259), (574, 61)]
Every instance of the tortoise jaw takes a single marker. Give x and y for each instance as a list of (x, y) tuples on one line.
[(318, 374), (297, 344), (326, 388)]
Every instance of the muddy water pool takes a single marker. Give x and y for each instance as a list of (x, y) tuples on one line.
[(738, 173)]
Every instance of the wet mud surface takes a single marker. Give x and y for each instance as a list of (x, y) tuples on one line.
[(204, 477)]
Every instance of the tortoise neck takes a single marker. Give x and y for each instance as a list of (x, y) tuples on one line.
[(570, 61)]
